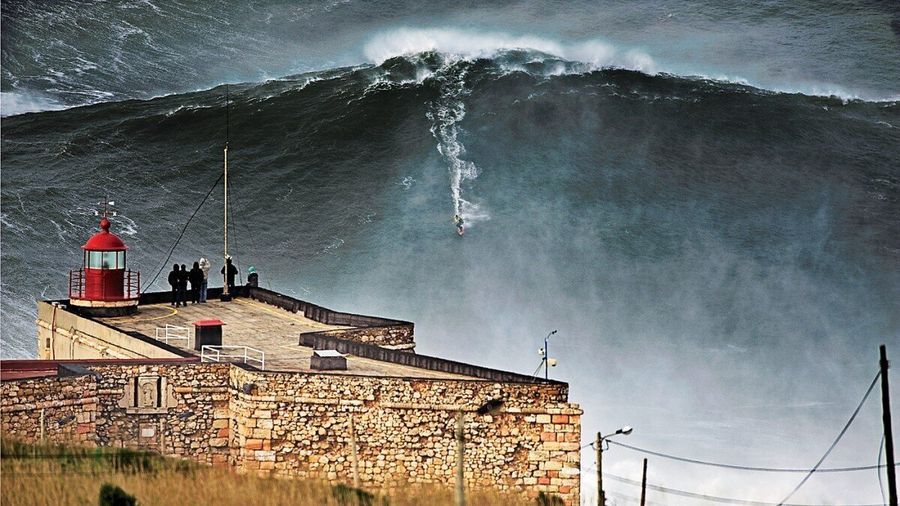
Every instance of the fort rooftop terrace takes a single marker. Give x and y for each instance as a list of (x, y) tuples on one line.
[(264, 327)]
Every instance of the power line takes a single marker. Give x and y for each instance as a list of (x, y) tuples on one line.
[(234, 240), (631, 498), (183, 229), (837, 439), (711, 498), (742, 467)]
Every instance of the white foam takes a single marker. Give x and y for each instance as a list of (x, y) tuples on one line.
[(12, 103), (827, 90), (472, 44), (595, 54)]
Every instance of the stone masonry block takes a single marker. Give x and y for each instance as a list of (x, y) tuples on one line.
[(264, 455)]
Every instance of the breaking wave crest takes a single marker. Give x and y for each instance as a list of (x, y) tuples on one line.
[(578, 57), (531, 54), (592, 55)]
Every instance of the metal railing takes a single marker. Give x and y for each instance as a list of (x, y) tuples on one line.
[(76, 284), (172, 332), (229, 353), (131, 287)]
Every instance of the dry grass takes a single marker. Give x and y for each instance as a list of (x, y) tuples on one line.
[(62, 475)]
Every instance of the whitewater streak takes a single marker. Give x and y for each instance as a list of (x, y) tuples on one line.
[(446, 113)]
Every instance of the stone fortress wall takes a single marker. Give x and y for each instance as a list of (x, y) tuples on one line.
[(57, 409), (116, 388), (298, 424)]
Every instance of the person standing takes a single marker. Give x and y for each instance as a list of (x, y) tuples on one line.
[(232, 272), (195, 276), (252, 277), (182, 285), (204, 266), (173, 282)]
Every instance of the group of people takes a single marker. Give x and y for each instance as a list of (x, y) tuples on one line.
[(198, 277)]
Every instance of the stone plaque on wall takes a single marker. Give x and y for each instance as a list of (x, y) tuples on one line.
[(147, 394), (148, 430), (148, 391)]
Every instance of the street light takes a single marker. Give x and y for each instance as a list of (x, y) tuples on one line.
[(598, 446), (546, 361)]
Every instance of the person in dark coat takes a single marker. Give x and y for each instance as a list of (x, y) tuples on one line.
[(173, 282), (252, 277), (182, 285), (195, 276), (232, 272)]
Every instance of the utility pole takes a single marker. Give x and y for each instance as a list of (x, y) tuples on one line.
[(888, 433), (226, 292), (601, 496), (644, 484), (598, 445), (460, 461)]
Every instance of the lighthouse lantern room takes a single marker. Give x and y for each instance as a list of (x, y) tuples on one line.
[(103, 285)]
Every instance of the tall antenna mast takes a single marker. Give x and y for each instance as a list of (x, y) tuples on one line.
[(225, 291)]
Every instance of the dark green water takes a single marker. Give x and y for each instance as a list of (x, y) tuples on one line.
[(721, 260)]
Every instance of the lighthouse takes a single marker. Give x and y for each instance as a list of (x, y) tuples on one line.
[(103, 286)]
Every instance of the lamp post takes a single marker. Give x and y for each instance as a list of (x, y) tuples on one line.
[(598, 446), (545, 356)]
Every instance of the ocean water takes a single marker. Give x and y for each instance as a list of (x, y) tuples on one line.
[(702, 197)]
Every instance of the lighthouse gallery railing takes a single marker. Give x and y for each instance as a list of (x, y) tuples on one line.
[(131, 286)]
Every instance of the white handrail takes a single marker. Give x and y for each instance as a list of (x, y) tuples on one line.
[(171, 332), (218, 353)]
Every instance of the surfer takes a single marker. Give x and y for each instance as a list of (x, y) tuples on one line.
[(457, 219)]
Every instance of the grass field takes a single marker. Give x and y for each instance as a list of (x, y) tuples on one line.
[(66, 475)]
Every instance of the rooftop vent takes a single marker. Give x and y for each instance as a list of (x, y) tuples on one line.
[(328, 360)]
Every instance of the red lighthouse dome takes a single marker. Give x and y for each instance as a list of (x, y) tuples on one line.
[(103, 284), (104, 240)]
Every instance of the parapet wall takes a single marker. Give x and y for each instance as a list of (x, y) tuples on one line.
[(64, 334), (298, 424), (392, 337), (395, 334), (326, 341)]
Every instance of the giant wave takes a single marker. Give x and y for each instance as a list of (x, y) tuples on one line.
[(678, 231)]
